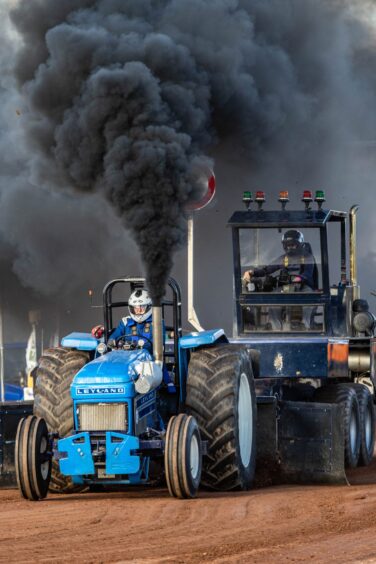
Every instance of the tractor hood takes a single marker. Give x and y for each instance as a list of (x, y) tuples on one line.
[(110, 375)]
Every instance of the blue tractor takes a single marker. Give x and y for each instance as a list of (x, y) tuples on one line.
[(105, 415)]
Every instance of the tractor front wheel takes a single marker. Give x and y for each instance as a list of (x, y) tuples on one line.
[(183, 456), (33, 458)]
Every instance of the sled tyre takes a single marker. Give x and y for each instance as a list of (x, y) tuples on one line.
[(345, 395)]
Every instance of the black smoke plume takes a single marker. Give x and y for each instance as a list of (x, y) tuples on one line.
[(120, 109), (122, 99)]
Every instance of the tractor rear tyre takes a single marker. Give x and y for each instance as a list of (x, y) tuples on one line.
[(367, 424), (345, 395), (33, 458), (183, 456), (221, 396), (52, 401)]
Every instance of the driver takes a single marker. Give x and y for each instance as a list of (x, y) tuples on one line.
[(138, 325), (297, 264)]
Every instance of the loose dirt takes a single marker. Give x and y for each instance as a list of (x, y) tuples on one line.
[(275, 524)]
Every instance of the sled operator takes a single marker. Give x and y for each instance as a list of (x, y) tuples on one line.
[(297, 265)]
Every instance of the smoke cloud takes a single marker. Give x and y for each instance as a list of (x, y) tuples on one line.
[(124, 99)]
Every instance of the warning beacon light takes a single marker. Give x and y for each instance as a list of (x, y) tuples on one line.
[(206, 180), (247, 199), (283, 198), (307, 198), (260, 199), (320, 198)]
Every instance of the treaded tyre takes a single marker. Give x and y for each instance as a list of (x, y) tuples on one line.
[(33, 458), (183, 456), (221, 396), (345, 395), (52, 401), (367, 424)]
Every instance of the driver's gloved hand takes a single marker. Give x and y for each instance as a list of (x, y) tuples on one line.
[(111, 343), (97, 331), (247, 276)]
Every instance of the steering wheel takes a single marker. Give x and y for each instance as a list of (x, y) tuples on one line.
[(286, 279), (133, 343), (263, 283)]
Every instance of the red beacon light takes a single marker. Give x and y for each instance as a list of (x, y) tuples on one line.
[(307, 199), (260, 199), (307, 196), (284, 198)]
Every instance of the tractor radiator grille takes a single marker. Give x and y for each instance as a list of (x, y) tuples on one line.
[(103, 416)]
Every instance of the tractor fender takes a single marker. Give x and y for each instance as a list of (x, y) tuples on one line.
[(203, 338), (80, 341)]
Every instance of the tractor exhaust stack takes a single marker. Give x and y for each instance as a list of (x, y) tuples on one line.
[(353, 253), (157, 334), (353, 291)]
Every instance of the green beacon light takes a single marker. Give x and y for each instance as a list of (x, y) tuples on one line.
[(247, 199), (320, 198)]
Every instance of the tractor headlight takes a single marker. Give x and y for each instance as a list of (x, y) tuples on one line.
[(101, 348)]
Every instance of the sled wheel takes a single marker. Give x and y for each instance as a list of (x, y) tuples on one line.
[(183, 456), (345, 395), (367, 424), (33, 459)]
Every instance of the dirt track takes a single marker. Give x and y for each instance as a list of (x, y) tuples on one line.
[(278, 524)]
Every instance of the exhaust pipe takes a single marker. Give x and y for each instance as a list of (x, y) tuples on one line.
[(352, 291), (149, 372), (157, 334), (353, 250), (192, 316)]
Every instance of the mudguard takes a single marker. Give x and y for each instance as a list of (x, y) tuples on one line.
[(198, 339), (299, 442), (80, 341), (311, 443)]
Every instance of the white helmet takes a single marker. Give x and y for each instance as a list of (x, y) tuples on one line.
[(139, 305)]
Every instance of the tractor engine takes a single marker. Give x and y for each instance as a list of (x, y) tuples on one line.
[(110, 416)]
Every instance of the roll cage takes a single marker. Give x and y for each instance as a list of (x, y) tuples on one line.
[(173, 301)]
